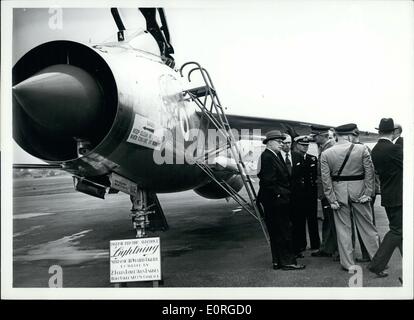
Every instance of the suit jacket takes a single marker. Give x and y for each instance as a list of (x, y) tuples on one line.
[(359, 163), (388, 162), (304, 172), (274, 179), (400, 141), (311, 173), (298, 172)]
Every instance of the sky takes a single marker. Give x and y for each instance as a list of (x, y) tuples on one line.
[(328, 62)]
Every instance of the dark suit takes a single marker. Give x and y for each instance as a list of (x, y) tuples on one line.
[(274, 195), (388, 162), (400, 141), (304, 201)]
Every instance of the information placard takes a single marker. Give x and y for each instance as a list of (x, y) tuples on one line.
[(145, 133), (135, 260)]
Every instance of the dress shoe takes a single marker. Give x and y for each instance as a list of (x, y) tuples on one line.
[(320, 253), (381, 274), (293, 267)]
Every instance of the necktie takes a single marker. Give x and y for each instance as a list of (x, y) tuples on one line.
[(288, 163)]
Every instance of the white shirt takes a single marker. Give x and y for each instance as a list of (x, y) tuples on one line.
[(284, 156)]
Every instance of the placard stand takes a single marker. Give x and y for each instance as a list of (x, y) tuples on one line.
[(135, 260)]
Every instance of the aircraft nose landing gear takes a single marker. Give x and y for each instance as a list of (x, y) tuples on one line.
[(140, 212), (146, 213)]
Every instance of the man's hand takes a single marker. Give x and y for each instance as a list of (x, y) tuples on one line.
[(335, 205), (364, 199)]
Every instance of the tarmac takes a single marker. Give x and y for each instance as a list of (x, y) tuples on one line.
[(209, 244)]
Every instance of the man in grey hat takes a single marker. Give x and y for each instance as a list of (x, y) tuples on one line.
[(274, 194), (329, 247), (348, 183), (388, 161)]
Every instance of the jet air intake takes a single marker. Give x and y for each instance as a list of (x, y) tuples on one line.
[(64, 98)]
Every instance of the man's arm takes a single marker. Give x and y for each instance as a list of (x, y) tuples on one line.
[(267, 173), (327, 180), (397, 155), (368, 172)]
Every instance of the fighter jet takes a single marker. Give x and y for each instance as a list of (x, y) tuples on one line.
[(121, 116)]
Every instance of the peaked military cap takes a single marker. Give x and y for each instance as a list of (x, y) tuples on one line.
[(273, 135), (303, 140), (319, 129), (348, 128)]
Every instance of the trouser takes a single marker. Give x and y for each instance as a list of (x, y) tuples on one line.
[(364, 251), (304, 209), (280, 234), (329, 242), (311, 216), (363, 222), (392, 239)]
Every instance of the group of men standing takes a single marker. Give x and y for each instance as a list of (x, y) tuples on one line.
[(343, 177)]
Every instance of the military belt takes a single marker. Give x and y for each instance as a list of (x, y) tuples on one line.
[(348, 178)]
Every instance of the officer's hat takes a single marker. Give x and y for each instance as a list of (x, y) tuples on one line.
[(319, 129), (274, 135), (303, 140), (349, 128)]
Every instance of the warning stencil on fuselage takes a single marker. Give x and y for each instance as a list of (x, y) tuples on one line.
[(145, 133)]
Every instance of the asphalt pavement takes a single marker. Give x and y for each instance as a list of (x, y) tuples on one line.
[(209, 244)]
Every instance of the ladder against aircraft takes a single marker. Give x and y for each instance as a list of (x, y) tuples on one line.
[(207, 100)]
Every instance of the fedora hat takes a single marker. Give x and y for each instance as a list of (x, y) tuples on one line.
[(386, 125), (273, 135)]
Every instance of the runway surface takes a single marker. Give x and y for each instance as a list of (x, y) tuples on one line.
[(208, 244)]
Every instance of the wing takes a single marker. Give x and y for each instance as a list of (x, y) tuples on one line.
[(266, 124), (294, 128)]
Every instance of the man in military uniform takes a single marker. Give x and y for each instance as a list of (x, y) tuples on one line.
[(329, 246), (274, 194), (347, 175), (304, 196), (364, 252)]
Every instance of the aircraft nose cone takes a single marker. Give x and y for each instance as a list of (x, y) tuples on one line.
[(64, 99)]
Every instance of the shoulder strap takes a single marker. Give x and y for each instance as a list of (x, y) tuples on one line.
[(345, 160)]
